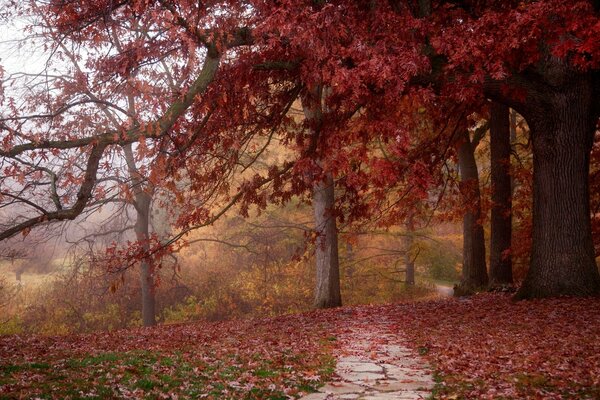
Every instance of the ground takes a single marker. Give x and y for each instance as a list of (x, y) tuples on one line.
[(486, 346)]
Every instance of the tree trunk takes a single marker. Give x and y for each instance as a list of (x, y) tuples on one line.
[(327, 292), (410, 269), (474, 272), (146, 269), (409, 261), (143, 201), (513, 139), (501, 229), (562, 256)]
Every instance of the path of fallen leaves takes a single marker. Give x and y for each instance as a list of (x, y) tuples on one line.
[(483, 347)]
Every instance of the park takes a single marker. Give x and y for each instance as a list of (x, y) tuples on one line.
[(299, 199)]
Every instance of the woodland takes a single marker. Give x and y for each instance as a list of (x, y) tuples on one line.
[(208, 199)]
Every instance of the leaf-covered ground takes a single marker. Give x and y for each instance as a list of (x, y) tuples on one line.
[(488, 346), (483, 347), (266, 359)]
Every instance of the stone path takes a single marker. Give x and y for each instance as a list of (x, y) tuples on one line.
[(373, 364)]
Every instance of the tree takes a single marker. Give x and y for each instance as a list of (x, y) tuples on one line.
[(501, 221), (474, 270), (551, 80), (109, 118), (377, 54), (562, 128), (546, 69), (409, 256), (327, 291)]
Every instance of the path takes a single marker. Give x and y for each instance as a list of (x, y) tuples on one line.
[(445, 291), (373, 364)]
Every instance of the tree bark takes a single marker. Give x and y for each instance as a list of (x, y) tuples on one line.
[(562, 129), (561, 108), (513, 139), (327, 293), (327, 290), (409, 261), (146, 268), (143, 201), (474, 271), (501, 229)]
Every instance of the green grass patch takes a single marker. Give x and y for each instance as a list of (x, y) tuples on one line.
[(9, 368), (265, 373), (101, 375)]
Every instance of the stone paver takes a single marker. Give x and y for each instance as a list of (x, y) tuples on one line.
[(373, 364)]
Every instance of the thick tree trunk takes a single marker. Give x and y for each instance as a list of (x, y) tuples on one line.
[(327, 292), (562, 256), (474, 272), (501, 229)]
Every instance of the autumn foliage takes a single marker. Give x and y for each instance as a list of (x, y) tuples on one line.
[(179, 146)]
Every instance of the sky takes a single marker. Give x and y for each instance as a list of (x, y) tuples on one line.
[(14, 56)]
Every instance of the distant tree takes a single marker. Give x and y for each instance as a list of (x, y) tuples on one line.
[(409, 256)]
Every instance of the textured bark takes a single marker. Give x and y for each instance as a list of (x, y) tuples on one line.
[(327, 292), (562, 129), (474, 272), (501, 229)]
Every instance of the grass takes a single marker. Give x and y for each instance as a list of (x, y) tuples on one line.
[(155, 374), (116, 374)]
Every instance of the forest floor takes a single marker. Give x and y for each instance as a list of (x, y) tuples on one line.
[(483, 347)]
